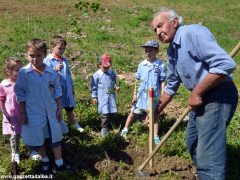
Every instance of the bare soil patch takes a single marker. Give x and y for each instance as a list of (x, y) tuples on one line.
[(123, 162)]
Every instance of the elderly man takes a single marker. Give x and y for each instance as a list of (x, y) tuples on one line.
[(204, 68)]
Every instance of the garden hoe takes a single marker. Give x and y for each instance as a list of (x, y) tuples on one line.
[(14, 165), (140, 171)]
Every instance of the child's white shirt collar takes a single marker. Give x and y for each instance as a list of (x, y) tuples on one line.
[(29, 68), (101, 72), (146, 62), (7, 82)]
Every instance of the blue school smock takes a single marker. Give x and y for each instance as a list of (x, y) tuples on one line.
[(103, 88), (68, 99), (39, 92), (149, 74)]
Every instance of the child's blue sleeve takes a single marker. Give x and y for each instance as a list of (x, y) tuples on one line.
[(47, 61), (57, 87), (138, 74), (70, 74), (94, 86), (114, 76), (19, 88)]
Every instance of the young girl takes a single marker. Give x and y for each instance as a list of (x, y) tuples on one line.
[(103, 87), (39, 93), (10, 108), (60, 64), (150, 73)]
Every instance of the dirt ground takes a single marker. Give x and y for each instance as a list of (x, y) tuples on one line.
[(124, 160), (162, 165)]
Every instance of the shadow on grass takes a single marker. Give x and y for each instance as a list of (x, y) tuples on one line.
[(89, 154), (166, 124), (233, 168), (120, 119)]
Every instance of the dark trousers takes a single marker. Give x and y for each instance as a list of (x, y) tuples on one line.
[(105, 120)]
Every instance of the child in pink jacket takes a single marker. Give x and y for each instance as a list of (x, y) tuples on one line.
[(11, 124)]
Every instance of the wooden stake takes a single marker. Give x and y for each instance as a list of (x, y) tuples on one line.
[(151, 122), (175, 125)]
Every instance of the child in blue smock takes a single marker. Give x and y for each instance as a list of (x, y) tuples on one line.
[(103, 87), (60, 64), (39, 92), (151, 73)]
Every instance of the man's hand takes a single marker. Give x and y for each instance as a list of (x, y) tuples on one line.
[(195, 100), (157, 110), (210, 81), (163, 101)]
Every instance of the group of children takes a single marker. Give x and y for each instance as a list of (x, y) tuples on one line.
[(32, 98)]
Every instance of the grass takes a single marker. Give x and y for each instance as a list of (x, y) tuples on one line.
[(118, 27)]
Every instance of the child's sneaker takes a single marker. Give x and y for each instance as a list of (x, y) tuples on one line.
[(63, 167), (34, 155), (124, 133), (45, 168), (104, 132), (78, 127), (16, 157), (156, 140)]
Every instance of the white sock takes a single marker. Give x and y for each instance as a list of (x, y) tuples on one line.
[(59, 162), (125, 129), (45, 159)]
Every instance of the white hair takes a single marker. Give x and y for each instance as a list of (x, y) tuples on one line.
[(172, 14)]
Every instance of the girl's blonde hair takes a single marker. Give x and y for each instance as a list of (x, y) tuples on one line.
[(10, 64), (37, 44)]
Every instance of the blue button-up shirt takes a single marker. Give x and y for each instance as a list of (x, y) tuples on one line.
[(39, 92), (68, 99), (149, 75), (193, 54), (103, 88)]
